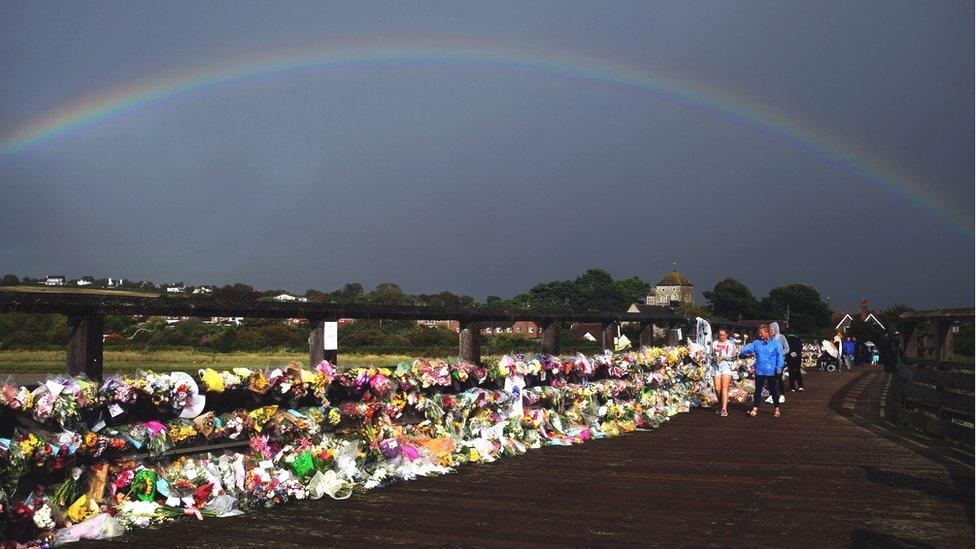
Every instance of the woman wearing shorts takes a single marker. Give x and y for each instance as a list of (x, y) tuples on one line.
[(724, 354)]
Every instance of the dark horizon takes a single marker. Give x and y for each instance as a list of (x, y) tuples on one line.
[(825, 143)]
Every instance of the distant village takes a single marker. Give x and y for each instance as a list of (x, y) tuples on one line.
[(671, 290)]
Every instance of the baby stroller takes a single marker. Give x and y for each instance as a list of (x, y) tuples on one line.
[(827, 361)]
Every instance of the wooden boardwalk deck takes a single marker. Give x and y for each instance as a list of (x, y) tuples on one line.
[(828, 473)]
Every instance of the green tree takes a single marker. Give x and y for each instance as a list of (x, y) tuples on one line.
[(889, 316), (633, 289), (808, 313), (236, 292), (388, 293), (595, 290), (315, 296), (9, 280), (350, 293), (731, 299)]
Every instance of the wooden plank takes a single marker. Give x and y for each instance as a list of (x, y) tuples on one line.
[(960, 381), (934, 397), (934, 363), (939, 314), (73, 304), (833, 483), (84, 351)]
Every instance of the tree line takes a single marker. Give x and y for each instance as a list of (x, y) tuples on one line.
[(593, 290)]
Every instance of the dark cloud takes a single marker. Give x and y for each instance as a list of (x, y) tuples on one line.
[(485, 180)]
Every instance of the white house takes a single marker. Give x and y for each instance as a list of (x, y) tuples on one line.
[(114, 283), (226, 320), (289, 297), (54, 280), (85, 281), (175, 288), (203, 290), (865, 315)]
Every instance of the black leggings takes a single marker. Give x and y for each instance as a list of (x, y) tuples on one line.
[(796, 376), (771, 383)]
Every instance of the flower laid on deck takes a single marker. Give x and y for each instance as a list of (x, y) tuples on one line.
[(286, 440)]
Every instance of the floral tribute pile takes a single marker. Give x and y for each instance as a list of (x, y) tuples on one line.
[(87, 460)]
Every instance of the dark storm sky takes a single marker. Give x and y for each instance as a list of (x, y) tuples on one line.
[(484, 180)]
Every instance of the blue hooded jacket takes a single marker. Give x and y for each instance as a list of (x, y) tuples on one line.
[(769, 356), (848, 347)]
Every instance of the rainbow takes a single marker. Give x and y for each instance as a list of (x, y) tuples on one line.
[(764, 119)]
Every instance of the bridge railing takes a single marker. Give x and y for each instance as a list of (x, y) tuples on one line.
[(86, 313), (935, 388)]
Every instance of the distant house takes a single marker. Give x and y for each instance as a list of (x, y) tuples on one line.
[(865, 315), (203, 290), (54, 280), (225, 320), (114, 283), (590, 331), (175, 288), (85, 281), (452, 325), (521, 328), (289, 298)]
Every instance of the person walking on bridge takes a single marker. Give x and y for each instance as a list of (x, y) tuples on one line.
[(794, 363), (724, 351), (769, 363), (785, 346), (847, 350)]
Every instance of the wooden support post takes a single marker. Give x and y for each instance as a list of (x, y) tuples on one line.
[(674, 334), (647, 334), (909, 343), (469, 341), (943, 341), (550, 338), (85, 346), (609, 332), (316, 343)]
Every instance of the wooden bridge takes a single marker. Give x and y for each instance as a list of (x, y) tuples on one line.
[(830, 472), (841, 467)]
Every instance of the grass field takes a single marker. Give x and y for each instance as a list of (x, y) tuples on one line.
[(43, 362), (77, 290)]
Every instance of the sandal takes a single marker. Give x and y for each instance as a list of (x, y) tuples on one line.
[(754, 412), (776, 412)]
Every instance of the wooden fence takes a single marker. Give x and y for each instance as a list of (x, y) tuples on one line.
[(86, 313), (935, 390)]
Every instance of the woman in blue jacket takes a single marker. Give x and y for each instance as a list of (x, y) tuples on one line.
[(769, 364)]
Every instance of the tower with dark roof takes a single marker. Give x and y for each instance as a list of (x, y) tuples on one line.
[(672, 288)]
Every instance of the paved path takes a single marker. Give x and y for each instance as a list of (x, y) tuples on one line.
[(828, 473)]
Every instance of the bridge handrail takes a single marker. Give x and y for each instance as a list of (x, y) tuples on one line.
[(935, 389)]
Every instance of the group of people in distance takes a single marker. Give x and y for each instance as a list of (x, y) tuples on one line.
[(774, 352)]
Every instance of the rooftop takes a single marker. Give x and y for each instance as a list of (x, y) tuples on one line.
[(675, 279)]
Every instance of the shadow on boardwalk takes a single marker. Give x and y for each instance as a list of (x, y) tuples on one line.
[(829, 473)]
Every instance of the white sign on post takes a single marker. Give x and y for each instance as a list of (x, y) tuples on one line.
[(330, 336)]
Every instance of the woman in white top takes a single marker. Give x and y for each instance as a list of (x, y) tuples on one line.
[(724, 354)]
